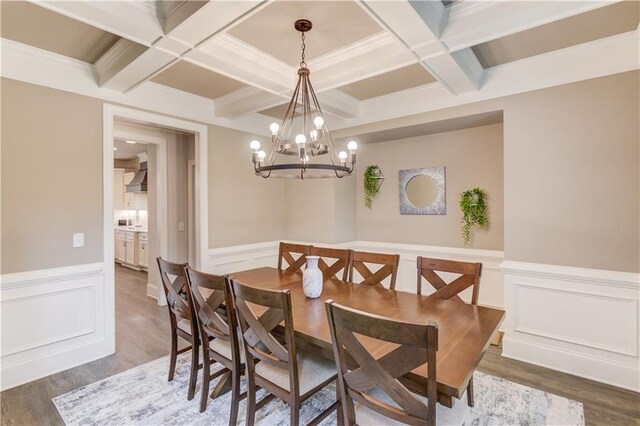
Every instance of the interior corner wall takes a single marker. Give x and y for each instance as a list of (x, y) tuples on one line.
[(243, 208), (471, 157), (571, 171), (44, 200)]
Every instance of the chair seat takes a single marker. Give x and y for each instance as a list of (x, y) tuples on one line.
[(185, 325), (313, 370), (457, 415), (224, 348)]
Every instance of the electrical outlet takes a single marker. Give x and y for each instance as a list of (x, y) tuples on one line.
[(180, 226), (78, 240)]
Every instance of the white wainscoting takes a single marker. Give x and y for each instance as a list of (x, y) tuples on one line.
[(581, 321), (237, 258), (52, 320)]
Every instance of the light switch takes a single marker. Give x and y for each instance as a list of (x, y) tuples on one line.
[(78, 240), (180, 226)]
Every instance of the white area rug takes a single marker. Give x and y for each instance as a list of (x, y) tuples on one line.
[(143, 396)]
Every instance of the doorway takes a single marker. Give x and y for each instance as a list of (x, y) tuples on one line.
[(164, 138)]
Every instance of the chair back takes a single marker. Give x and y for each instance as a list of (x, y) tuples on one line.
[(418, 344), (361, 262), (257, 330), (469, 275), (174, 284), (213, 307), (334, 263), (295, 256)]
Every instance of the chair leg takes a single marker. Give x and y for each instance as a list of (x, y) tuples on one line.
[(204, 392), (339, 413), (174, 354), (235, 397), (295, 414), (193, 378), (251, 401), (470, 393)]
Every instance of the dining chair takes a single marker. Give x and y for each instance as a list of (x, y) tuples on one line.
[(334, 263), (370, 389), (286, 253), (285, 372), (388, 268), (181, 317), (217, 324), (468, 276)]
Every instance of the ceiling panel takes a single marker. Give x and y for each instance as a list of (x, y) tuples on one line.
[(279, 111), (603, 22), (33, 25), (197, 80), (127, 151), (393, 81), (335, 25)]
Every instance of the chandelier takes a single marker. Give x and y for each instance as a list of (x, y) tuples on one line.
[(303, 134)]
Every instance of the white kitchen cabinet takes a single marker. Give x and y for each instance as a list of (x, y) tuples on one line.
[(118, 189), (143, 258), (129, 197), (130, 252), (140, 201), (120, 249)]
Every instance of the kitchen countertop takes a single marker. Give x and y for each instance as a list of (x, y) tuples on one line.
[(131, 228)]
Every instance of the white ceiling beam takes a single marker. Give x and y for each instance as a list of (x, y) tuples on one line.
[(191, 27), (418, 25), (615, 54), (129, 19), (474, 22)]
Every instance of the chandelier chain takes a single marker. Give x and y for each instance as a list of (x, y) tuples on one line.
[(303, 64)]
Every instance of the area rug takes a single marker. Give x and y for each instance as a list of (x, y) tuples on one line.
[(143, 396)]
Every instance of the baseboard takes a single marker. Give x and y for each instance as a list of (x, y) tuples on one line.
[(30, 369), (52, 319), (152, 290), (601, 370)]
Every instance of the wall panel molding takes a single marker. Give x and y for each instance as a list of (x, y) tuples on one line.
[(52, 320), (581, 321)]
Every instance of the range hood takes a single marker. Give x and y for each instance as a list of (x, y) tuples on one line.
[(139, 181)]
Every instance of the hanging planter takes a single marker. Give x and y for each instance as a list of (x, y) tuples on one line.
[(474, 212), (373, 179)]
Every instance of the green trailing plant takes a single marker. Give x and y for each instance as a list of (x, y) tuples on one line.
[(372, 181), (474, 212)]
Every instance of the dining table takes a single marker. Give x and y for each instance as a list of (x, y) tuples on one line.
[(465, 331)]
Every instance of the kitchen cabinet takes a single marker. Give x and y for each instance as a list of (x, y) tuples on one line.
[(143, 258), (120, 247), (118, 189), (130, 252), (129, 197)]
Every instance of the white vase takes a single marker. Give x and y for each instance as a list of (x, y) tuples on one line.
[(312, 278)]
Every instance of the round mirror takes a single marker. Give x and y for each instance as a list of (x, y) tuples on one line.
[(422, 190)]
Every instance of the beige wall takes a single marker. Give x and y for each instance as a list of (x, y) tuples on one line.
[(571, 171), (472, 157), (320, 210), (243, 208), (44, 200)]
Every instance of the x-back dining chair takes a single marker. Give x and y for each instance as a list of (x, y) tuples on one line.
[(370, 390), (388, 268), (217, 325), (334, 263), (288, 252), (280, 369), (469, 276), (182, 318)]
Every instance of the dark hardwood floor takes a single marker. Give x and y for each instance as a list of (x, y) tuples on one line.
[(142, 335)]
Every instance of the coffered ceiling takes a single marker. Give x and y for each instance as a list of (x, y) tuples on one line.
[(369, 59)]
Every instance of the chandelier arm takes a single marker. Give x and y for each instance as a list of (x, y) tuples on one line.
[(332, 152)]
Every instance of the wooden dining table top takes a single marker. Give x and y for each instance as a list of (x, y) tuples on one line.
[(464, 331)]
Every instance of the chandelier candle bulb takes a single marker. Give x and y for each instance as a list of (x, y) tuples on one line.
[(318, 121), (254, 145), (261, 156), (343, 158), (314, 135), (274, 128)]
